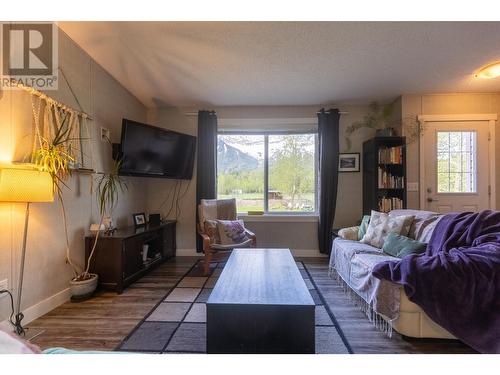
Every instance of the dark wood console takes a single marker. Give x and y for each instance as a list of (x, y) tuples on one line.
[(118, 258)]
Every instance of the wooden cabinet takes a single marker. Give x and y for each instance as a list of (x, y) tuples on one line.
[(118, 258), (169, 242)]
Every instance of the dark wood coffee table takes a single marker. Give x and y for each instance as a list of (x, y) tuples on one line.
[(260, 304)]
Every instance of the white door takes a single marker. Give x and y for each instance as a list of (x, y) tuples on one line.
[(456, 166)]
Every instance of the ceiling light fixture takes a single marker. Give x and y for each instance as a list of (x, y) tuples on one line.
[(489, 71)]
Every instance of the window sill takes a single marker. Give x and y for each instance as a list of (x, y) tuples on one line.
[(279, 218)]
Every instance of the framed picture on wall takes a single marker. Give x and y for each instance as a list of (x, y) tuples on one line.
[(349, 162)]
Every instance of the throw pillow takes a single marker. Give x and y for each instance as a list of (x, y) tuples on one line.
[(401, 246), (231, 232), (363, 226), (212, 231), (381, 224), (10, 343)]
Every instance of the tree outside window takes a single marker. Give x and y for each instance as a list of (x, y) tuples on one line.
[(290, 161)]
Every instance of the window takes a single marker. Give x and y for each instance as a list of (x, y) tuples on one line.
[(274, 173), (240, 170), (456, 158)]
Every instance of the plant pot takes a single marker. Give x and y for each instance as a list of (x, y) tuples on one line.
[(386, 132), (82, 290)]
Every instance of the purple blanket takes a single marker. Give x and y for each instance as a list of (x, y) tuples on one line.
[(457, 280)]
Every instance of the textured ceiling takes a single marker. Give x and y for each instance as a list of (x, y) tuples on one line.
[(289, 63)]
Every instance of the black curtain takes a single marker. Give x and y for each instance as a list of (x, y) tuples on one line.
[(328, 134), (206, 180)]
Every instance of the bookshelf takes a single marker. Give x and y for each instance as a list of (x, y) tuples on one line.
[(384, 174)]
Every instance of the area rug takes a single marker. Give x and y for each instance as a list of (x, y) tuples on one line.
[(177, 324)]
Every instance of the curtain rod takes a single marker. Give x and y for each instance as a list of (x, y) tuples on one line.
[(196, 113), (341, 112)]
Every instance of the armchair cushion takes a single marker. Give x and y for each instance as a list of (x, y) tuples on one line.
[(212, 231), (247, 243), (214, 209), (250, 233), (232, 232)]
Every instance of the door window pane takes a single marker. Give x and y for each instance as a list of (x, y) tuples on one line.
[(292, 173), (240, 170), (456, 162)]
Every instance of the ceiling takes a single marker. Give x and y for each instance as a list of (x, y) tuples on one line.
[(289, 63)]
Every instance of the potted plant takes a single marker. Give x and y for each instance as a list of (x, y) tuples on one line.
[(55, 156), (379, 118), (83, 285)]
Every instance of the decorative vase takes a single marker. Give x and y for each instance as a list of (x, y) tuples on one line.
[(82, 290), (109, 223), (386, 132)]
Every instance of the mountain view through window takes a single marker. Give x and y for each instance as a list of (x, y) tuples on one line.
[(289, 160)]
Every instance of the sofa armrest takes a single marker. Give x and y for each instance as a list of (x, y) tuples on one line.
[(350, 233)]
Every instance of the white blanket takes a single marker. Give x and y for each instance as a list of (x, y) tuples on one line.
[(353, 262)]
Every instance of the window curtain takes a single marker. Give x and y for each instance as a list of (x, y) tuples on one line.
[(328, 135), (206, 166)]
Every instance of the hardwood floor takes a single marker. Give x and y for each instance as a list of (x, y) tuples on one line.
[(362, 336), (102, 322)]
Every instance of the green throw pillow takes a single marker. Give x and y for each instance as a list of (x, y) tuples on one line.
[(363, 226), (401, 246)]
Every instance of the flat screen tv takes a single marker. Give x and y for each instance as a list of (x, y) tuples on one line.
[(150, 151)]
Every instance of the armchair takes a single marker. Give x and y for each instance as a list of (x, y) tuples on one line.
[(209, 211)]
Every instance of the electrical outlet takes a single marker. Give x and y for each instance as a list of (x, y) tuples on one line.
[(105, 135), (4, 284)]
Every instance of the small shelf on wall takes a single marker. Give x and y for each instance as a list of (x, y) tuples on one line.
[(83, 171), (384, 174)]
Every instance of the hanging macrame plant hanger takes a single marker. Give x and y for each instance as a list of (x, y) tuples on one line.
[(48, 114)]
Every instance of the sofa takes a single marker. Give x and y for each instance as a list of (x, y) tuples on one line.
[(385, 303)]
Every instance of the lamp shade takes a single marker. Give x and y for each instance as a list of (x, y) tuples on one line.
[(25, 185)]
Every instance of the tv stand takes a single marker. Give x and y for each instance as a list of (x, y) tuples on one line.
[(118, 256)]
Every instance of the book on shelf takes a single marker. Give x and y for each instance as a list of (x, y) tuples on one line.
[(386, 180), (389, 204), (390, 155)]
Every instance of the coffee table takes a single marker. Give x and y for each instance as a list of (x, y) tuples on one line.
[(260, 304)]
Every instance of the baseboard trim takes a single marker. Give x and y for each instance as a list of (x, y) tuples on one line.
[(43, 307), (187, 253), (6, 326), (313, 253)]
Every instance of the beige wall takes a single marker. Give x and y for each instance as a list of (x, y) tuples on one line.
[(414, 105), (299, 236), (46, 274)]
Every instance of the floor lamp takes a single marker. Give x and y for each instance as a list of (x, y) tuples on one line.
[(25, 186)]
